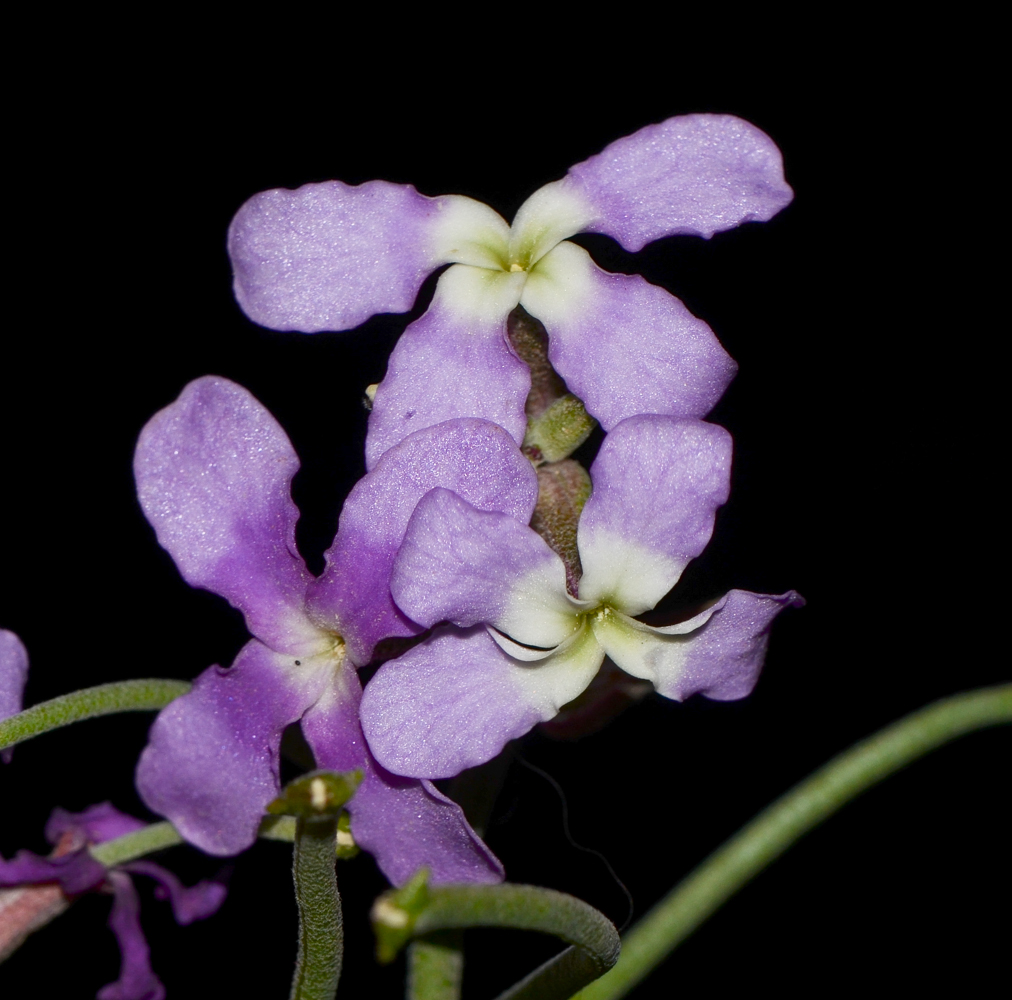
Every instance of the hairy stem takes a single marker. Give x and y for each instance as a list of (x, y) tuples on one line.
[(417, 911), (436, 966), (321, 932), (121, 696), (775, 829)]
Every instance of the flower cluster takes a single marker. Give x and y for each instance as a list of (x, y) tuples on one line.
[(436, 544)]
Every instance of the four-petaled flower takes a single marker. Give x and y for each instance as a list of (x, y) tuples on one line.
[(214, 472), (456, 699), (73, 870), (327, 256)]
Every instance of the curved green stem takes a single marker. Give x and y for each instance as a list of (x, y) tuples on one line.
[(775, 829), (121, 696), (416, 910)]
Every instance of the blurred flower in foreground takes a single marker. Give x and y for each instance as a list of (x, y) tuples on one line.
[(454, 700), (46, 884), (327, 256), (214, 472)]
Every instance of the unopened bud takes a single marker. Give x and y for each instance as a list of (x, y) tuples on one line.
[(563, 489), (559, 431)]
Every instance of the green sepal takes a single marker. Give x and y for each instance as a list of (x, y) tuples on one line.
[(395, 913), (559, 431), (346, 846), (317, 794)]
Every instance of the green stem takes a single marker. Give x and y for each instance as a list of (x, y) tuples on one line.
[(436, 966), (121, 696), (775, 829), (321, 933), (416, 910), (130, 846)]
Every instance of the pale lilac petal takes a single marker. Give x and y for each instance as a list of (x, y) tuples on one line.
[(403, 823), (13, 675), (75, 872), (697, 174), (96, 824), (455, 361), (136, 980), (328, 256), (657, 485), (211, 763), (622, 345), (189, 903), (214, 472), (456, 699), (474, 458), (445, 705), (721, 659), (467, 566)]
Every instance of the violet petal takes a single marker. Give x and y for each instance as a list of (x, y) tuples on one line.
[(455, 700), (474, 458), (467, 567), (214, 472), (189, 903), (137, 980), (657, 485), (697, 174), (97, 823), (328, 256), (454, 361), (211, 763), (13, 675), (403, 823), (76, 872), (622, 345)]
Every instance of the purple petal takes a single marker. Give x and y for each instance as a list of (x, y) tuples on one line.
[(625, 346), (474, 458), (96, 824), (455, 361), (75, 872), (722, 659), (328, 256), (695, 174), (13, 675), (657, 485), (331, 726), (136, 980), (214, 472), (467, 566), (197, 902), (211, 763), (403, 823), (450, 703)]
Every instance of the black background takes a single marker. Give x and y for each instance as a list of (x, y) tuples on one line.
[(862, 478)]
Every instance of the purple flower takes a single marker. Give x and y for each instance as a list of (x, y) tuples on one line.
[(456, 699), (214, 473), (327, 256), (75, 871), (13, 675)]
